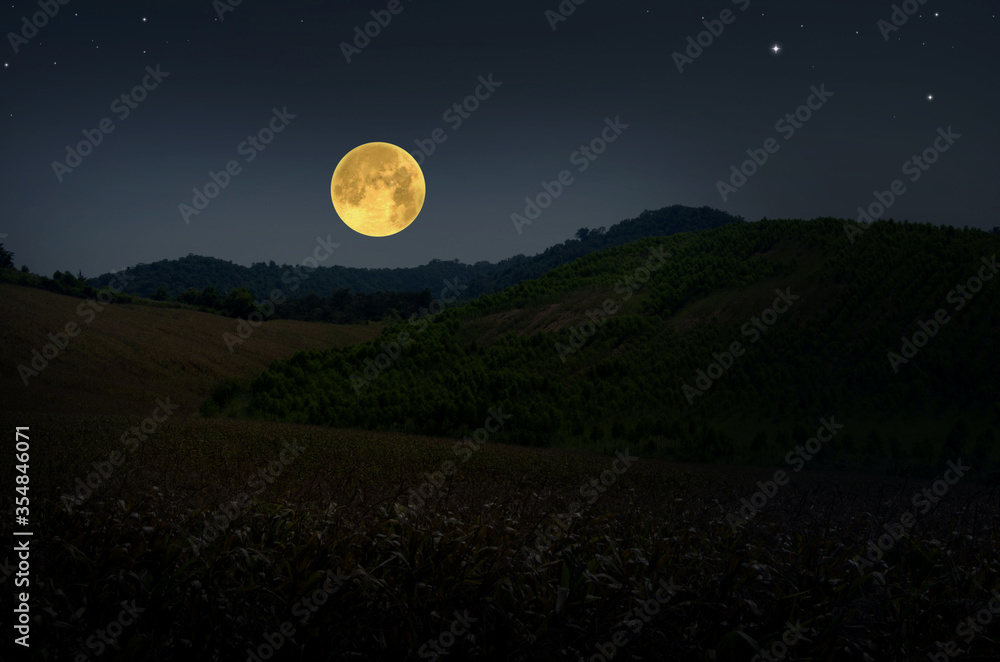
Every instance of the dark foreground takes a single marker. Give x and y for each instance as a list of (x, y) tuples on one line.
[(236, 540)]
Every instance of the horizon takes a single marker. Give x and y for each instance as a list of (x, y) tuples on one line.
[(266, 263), (824, 105), (647, 330)]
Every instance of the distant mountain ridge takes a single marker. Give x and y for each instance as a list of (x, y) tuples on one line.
[(195, 271)]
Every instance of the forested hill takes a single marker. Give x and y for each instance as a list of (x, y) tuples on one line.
[(199, 272), (723, 345)]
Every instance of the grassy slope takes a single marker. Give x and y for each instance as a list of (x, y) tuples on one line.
[(465, 550), (825, 356), (807, 272), (130, 355)]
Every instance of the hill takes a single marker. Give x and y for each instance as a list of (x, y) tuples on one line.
[(731, 344), (221, 534), (261, 278), (123, 357)]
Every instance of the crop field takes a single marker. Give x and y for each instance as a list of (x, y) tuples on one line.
[(123, 357), (241, 540)]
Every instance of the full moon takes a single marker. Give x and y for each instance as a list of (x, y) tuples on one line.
[(378, 189)]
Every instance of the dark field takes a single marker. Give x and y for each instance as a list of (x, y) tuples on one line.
[(218, 542)]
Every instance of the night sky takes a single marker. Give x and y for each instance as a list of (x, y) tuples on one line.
[(552, 92)]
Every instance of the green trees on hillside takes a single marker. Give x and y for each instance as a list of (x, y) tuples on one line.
[(623, 385), (583, 234), (191, 296), (6, 258), (69, 281), (62, 282), (239, 303), (194, 271), (342, 307), (209, 298)]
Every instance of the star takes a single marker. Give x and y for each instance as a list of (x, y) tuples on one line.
[(930, 97), (776, 48)]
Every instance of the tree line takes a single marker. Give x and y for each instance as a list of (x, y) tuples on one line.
[(625, 386)]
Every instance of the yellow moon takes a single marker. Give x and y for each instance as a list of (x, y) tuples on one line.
[(378, 189)]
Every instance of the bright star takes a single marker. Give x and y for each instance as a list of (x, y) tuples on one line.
[(776, 48), (930, 97)]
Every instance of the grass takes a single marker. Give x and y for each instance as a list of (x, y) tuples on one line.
[(471, 549), (222, 539), (144, 353)]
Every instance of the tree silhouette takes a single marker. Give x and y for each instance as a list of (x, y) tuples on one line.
[(239, 303), (209, 297), (190, 295), (6, 258)]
